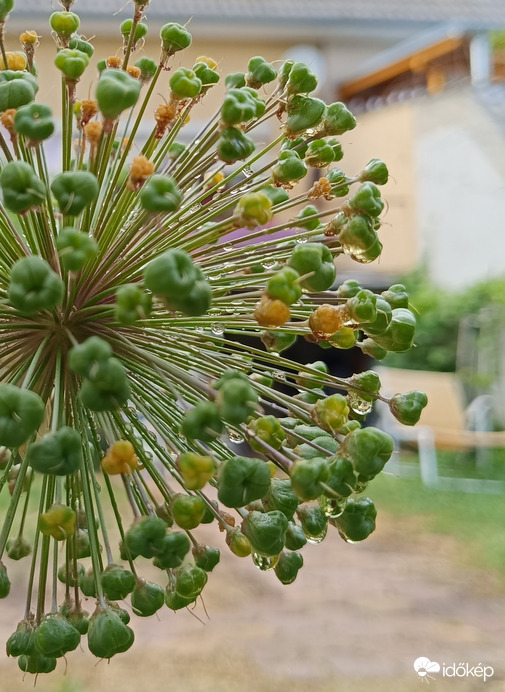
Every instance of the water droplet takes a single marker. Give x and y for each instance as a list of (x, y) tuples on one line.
[(217, 328), (302, 239), (234, 436), (331, 507), (247, 171), (264, 563), (359, 405), (234, 192), (268, 264), (317, 538), (346, 539), (228, 247), (194, 209)]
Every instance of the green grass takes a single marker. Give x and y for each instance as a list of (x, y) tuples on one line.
[(475, 521)]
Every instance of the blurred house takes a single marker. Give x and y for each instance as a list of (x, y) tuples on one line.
[(420, 73)]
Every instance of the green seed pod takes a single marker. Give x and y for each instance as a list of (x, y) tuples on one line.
[(147, 598), (235, 80), (64, 23), (306, 451), (370, 348), (82, 544), (314, 259), (21, 188), (399, 336), (75, 248), (369, 449), (307, 476), (313, 520), (367, 380), (147, 69), (123, 614), (367, 200), (172, 274), (234, 145), (115, 92), (175, 601), (242, 480), (117, 582), (16, 89), (348, 289), (339, 188), (80, 620), (132, 304), (37, 664), (21, 414), (34, 286), (407, 408), (206, 75), (206, 557), (68, 576), (240, 106), (188, 511), (55, 636), (184, 84), (337, 120), (331, 413), (109, 388), (5, 585), (357, 521), (108, 635), (172, 551), (299, 145), (311, 224), (126, 27), (289, 168), (338, 153), (295, 538), (276, 342), (74, 191), (268, 429), (86, 358), (71, 63), (304, 112), (58, 453), (20, 642), (146, 537), (237, 401), (6, 7), (382, 320), (203, 422), (300, 79), (174, 38), (319, 154), (266, 532), (376, 172), (342, 479), (195, 469), (397, 296), (78, 43), (34, 121), (260, 72), (87, 583), (175, 150), (190, 582), (320, 370), (363, 306), (196, 302), (288, 564), (18, 548), (346, 337), (280, 496)]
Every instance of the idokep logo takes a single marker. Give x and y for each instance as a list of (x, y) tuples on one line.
[(426, 668)]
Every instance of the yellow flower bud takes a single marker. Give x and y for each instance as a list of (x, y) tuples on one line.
[(120, 458), (15, 61), (30, 37), (210, 62), (271, 313)]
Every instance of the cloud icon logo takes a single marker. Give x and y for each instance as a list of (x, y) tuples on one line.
[(423, 667)]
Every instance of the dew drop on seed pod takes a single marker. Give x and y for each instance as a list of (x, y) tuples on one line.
[(217, 328), (345, 538), (360, 486), (359, 405), (264, 563), (234, 436), (316, 538), (331, 507)]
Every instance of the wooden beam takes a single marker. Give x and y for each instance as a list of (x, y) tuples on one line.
[(413, 63)]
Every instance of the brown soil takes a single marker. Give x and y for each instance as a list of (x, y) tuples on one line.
[(355, 620)]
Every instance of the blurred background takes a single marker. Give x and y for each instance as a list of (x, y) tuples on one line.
[(426, 79)]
